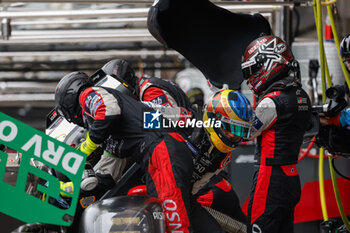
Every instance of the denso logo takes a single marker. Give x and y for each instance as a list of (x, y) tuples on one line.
[(258, 43), (172, 216)]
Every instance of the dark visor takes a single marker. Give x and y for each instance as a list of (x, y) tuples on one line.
[(249, 68), (238, 128)]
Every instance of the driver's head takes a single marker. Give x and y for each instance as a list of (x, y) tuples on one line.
[(235, 113), (67, 96), (345, 51), (266, 60)]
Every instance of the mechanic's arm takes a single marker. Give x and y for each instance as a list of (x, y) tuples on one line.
[(158, 96), (265, 116), (105, 112), (88, 146), (342, 119)]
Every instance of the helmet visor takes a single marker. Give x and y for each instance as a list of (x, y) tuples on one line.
[(238, 128), (249, 68)]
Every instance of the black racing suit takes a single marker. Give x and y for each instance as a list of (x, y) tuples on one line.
[(211, 187), (164, 156), (283, 115)]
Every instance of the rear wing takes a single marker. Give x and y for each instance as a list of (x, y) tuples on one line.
[(212, 38)]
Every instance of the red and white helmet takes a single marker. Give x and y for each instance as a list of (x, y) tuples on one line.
[(266, 60), (345, 51)]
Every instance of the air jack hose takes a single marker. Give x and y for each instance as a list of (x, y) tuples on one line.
[(334, 180), (228, 224), (318, 22), (324, 68), (336, 41)]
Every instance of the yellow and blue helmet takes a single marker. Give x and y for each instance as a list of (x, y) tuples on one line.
[(235, 114)]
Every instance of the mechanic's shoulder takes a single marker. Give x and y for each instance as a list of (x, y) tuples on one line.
[(266, 101), (93, 89)]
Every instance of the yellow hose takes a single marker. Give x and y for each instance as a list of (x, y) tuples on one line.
[(336, 40), (328, 76), (325, 72), (320, 47), (337, 195), (334, 180), (323, 60), (321, 185), (328, 3), (318, 22)]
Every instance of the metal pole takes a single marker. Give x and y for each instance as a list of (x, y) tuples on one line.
[(127, 12), (5, 28), (80, 21), (92, 54), (75, 13), (298, 3), (287, 23)]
